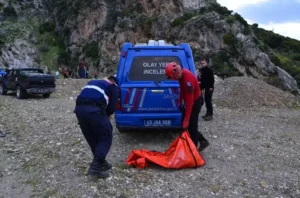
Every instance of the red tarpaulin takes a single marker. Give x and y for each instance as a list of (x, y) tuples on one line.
[(181, 154)]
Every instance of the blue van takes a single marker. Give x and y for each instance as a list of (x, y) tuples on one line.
[(148, 99)]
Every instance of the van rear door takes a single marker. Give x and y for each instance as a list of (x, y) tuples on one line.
[(144, 87)]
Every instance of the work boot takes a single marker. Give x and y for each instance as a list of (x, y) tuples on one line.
[(98, 168), (2, 134), (203, 145), (106, 165), (208, 118), (205, 115)]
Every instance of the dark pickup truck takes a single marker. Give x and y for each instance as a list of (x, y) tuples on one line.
[(27, 81)]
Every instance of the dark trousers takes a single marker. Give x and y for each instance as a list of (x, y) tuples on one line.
[(193, 123), (96, 129), (207, 97), (82, 73)]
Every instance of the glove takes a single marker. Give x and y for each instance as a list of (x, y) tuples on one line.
[(185, 124)]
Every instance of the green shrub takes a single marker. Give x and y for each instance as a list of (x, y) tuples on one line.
[(254, 25), (2, 42), (63, 57), (222, 66), (287, 64), (150, 20), (228, 39), (274, 59), (219, 9), (230, 19), (241, 19), (47, 27), (44, 49), (181, 20), (296, 57), (209, 23), (246, 30), (276, 41), (91, 50), (10, 12)]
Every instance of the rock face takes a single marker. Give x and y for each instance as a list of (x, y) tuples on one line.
[(19, 54), (96, 30)]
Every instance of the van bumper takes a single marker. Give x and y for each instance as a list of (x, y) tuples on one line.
[(148, 120), (47, 90)]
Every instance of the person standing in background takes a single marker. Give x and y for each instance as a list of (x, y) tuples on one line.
[(95, 74), (199, 81), (57, 74), (65, 72), (207, 81), (81, 69)]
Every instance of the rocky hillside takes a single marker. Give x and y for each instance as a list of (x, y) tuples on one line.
[(56, 33)]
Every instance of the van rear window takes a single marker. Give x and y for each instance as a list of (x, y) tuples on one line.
[(150, 68)]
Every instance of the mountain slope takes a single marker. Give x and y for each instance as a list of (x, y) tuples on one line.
[(64, 31)]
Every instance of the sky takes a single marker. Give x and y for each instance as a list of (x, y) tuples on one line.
[(281, 16)]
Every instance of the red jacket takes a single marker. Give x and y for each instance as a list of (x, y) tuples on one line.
[(189, 91)]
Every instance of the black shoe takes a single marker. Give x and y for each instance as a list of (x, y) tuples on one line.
[(106, 165), (208, 118), (98, 168), (205, 115), (2, 134), (203, 145)]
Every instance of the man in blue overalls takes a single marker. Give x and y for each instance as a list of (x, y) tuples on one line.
[(94, 106)]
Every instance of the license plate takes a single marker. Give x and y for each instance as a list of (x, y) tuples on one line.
[(42, 90), (157, 122)]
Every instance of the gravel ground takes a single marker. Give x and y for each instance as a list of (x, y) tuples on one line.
[(254, 149)]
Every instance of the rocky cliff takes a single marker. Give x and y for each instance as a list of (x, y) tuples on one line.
[(56, 33)]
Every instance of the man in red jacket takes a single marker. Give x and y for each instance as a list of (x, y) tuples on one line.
[(190, 95)]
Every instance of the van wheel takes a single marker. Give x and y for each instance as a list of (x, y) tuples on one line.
[(3, 91), (20, 92), (46, 95)]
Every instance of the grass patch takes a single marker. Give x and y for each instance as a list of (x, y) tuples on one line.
[(122, 166), (50, 193), (49, 58), (33, 182)]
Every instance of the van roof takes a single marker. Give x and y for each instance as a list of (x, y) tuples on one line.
[(154, 43)]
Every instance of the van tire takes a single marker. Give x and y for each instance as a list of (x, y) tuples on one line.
[(21, 93), (3, 91)]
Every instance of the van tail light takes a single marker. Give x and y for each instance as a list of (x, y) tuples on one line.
[(124, 54), (118, 106)]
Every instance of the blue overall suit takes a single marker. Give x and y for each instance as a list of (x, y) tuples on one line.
[(96, 102)]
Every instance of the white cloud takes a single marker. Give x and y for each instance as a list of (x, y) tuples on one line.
[(290, 29), (236, 4)]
